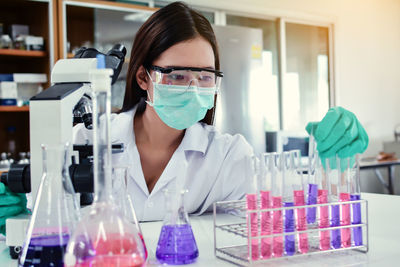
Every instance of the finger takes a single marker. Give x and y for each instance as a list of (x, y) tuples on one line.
[(9, 200), (337, 132), (327, 123), (350, 150), (348, 137), (311, 127), (363, 135), (6, 211)]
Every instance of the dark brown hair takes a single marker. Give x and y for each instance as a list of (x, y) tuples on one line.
[(168, 26)]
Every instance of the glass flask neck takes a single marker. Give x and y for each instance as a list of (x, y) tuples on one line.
[(102, 146), (176, 213)]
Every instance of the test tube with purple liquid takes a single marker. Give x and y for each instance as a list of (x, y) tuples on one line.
[(334, 195), (312, 189), (355, 194), (288, 201)]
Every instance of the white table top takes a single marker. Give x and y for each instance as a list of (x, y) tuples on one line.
[(384, 239)]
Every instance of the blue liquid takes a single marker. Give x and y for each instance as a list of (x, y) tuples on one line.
[(335, 221), (290, 248), (46, 251), (312, 200), (177, 245), (357, 231)]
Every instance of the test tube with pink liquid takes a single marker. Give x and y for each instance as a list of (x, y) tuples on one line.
[(265, 182), (251, 202), (321, 178), (299, 199), (347, 171), (276, 192)]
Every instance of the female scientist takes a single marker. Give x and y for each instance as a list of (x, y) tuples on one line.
[(168, 112), (167, 116)]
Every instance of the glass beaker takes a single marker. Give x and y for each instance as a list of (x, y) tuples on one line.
[(124, 200), (176, 244), (103, 237), (55, 212)]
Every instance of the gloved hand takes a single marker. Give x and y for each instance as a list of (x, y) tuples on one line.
[(11, 204), (340, 133)]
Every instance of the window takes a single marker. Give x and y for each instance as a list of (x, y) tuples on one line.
[(269, 57)]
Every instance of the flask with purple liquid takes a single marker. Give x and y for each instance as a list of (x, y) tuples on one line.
[(55, 212)]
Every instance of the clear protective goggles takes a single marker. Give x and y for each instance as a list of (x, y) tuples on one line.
[(188, 77)]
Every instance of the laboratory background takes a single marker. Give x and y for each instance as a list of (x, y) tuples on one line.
[(285, 63)]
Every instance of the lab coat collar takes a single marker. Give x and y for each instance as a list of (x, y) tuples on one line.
[(195, 139)]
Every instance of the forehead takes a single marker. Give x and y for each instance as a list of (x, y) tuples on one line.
[(196, 52)]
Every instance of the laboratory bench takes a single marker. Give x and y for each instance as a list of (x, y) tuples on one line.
[(384, 240)]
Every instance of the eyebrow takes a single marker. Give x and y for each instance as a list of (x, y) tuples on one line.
[(176, 66)]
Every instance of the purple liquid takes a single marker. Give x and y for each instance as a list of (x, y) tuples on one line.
[(357, 231), (312, 200), (289, 227), (335, 221), (177, 245), (46, 251)]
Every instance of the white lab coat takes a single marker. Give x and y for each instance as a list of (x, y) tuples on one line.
[(215, 172)]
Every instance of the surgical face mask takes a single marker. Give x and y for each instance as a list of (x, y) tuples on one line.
[(181, 106)]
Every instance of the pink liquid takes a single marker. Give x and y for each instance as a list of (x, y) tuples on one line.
[(266, 243), (112, 261), (277, 227), (252, 205), (114, 251), (346, 233), (301, 220), (324, 236)]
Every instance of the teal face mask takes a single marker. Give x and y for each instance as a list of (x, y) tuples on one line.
[(181, 106)]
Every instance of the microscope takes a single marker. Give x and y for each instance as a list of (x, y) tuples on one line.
[(52, 114)]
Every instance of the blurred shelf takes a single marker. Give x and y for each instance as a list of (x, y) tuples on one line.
[(70, 55), (22, 53), (14, 109)]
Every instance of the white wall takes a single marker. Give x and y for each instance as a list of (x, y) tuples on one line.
[(367, 56)]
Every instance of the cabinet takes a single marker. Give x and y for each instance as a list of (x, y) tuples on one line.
[(38, 15), (65, 26)]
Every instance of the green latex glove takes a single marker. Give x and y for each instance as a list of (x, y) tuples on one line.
[(339, 133), (11, 204)]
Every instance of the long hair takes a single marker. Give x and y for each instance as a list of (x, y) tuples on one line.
[(168, 26)]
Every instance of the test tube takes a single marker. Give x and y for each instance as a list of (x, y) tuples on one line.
[(299, 200), (251, 201), (321, 177), (355, 194), (277, 222), (332, 166), (312, 193), (288, 201), (266, 163), (345, 168)]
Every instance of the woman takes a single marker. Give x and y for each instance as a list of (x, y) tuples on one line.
[(167, 116)]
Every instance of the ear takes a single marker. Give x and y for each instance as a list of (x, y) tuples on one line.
[(142, 78)]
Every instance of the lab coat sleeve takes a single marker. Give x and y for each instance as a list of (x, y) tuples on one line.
[(81, 135), (232, 182)]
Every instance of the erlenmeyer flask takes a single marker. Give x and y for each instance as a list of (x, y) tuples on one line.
[(103, 237), (124, 200), (176, 244), (55, 212)]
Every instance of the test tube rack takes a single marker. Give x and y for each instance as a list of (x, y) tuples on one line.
[(232, 240)]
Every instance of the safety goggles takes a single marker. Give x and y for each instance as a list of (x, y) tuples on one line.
[(188, 76)]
